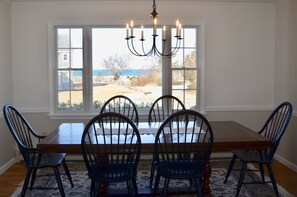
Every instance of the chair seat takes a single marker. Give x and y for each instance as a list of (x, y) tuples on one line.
[(113, 172), (48, 160), (257, 156), (180, 169)]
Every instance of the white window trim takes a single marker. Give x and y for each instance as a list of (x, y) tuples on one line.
[(51, 62)]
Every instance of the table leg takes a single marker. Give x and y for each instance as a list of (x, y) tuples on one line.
[(207, 173)]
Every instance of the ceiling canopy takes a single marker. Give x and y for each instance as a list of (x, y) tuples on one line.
[(225, 1)]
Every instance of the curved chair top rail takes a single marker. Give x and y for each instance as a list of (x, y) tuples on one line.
[(123, 105), (163, 107)]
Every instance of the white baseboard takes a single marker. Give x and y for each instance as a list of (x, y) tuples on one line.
[(7, 165), (286, 162)]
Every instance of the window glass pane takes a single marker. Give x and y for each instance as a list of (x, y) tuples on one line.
[(178, 59), (190, 58), (76, 79), (178, 79), (70, 94), (63, 38), (63, 58), (190, 79), (190, 99), (77, 100), (64, 101), (70, 100), (189, 37), (76, 38), (63, 80), (117, 71), (76, 58)]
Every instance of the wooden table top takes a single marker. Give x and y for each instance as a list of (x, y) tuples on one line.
[(228, 135)]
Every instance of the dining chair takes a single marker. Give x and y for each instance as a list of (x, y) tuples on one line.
[(111, 147), (159, 111), (34, 158), (274, 128), (183, 146), (123, 105), (163, 107)]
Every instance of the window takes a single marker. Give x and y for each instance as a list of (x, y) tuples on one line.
[(93, 63)]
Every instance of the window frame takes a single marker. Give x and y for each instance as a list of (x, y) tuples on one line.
[(88, 112)]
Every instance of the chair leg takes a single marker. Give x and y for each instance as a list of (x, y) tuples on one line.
[(34, 171), (198, 186), (165, 188), (27, 178), (59, 181), (67, 172), (92, 188), (135, 189), (157, 180), (230, 167), (272, 178), (153, 168), (241, 178), (96, 189), (132, 187)]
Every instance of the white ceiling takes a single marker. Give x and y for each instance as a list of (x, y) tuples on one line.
[(227, 1)]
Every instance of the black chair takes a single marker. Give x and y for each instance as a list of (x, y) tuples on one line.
[(159, 111), (111, 148), (122, 105), (163, 107), (34, 158), (274, 128), (183, 146)]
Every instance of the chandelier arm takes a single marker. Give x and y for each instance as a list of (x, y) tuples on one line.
[(136, 54), (177, 46), (149, 52), (175, 49), (134, 50)]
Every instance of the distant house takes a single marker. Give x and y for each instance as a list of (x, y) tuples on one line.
[(64, 82)]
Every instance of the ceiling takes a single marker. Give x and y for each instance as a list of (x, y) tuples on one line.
[(226, 1)]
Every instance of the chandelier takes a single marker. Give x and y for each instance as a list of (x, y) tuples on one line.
[(153, 50)]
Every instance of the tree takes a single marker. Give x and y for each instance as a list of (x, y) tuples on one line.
[(116, 64)]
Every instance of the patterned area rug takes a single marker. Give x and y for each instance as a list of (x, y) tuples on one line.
[(218, 188)]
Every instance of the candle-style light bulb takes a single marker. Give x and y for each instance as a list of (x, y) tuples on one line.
[(127, 30), (164, 33), (177, 26), (142, 33), (131, 25), (155, 22), (179, 30)]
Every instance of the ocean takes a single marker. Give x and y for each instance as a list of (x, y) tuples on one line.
[(127, 72)]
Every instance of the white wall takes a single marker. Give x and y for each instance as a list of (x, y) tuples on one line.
[(239, 46), (286, 72), (6, 142)]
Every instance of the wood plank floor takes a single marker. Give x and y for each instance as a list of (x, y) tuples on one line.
[(14, 176)]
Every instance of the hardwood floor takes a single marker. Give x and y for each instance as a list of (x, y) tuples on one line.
[(10, 179)]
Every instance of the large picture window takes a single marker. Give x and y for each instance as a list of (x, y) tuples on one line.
[(93, 64)]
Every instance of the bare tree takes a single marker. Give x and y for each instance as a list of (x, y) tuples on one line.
[(116, 64)]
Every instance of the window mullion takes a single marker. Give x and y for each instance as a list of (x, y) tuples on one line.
[(87, 71), (166, 67)]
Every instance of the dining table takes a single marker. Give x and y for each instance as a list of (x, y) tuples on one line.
[(228, 136)]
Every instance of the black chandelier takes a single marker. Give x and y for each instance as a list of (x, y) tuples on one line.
[(154, 50)]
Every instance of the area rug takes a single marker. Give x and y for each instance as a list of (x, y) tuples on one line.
[(218, 188)]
